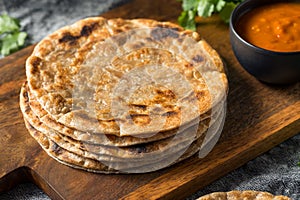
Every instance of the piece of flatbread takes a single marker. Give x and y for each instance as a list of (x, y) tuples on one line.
[(125, 77), (65, 157), (80, 162), (143, 152), (103, 139), (243, 195)]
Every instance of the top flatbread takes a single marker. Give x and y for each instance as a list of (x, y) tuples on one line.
[(125, 77), (242, 195)]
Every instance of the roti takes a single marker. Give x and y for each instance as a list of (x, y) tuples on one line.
[(92, 165), (142, 152), (241, 195), (125, 77), (103, 139)]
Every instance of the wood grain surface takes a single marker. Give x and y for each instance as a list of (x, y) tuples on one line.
[(259, 117)]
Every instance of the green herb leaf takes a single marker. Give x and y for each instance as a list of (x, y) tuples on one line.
[(8, 24), (205, 8), (11, 42), (11, 38), (226, 11), (189, 4), (187, 19), (220, 5)]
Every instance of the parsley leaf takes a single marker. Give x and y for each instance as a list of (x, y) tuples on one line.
[(187, 19), (205, 8), (8, 24), (11, 38), (226, 11), (12, 42), (189, 4)]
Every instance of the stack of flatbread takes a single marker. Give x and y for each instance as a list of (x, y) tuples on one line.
[(128, 96)]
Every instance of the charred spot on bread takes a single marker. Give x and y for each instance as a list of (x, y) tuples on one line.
[(35, 62), (162, 33), (165, 25), (137, 149), (26, 97), (56, 149), (68, 38), (88, 29), (197, 58), (72, 39)]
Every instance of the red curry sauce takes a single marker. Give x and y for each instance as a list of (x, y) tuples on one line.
[(274, 27)]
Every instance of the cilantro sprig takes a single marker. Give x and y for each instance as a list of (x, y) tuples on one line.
[(11, 37), (205, 8)]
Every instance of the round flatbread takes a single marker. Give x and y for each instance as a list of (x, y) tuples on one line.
[(65, 157), (242, 195), (92, 165), (125, 77), (143, 152), (103, 139)]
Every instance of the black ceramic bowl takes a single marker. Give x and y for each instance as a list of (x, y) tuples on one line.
[(267, 66)]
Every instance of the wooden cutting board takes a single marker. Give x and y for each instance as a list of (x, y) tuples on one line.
[(259, 117)]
